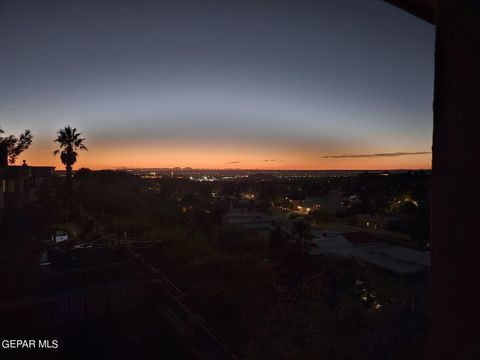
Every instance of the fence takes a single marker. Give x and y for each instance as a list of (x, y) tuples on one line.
[(155, 290), (167, 298), (81, 305)]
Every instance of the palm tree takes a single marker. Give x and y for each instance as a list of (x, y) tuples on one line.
[(69, 142)]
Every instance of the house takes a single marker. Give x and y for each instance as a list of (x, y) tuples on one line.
[(369, 250), (331, 203), (250, 219), (20, 184)]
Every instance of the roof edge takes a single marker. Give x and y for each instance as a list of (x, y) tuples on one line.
[(424, 9)]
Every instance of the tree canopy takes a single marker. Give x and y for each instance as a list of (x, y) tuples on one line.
[(16, 144)]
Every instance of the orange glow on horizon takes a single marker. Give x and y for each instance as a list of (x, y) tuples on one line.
[(218, 156)]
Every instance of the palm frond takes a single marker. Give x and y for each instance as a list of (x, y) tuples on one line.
[(69, 141)]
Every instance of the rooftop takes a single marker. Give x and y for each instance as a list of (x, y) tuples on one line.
[(396, 259)]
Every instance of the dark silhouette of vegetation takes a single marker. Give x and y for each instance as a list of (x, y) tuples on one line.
[(255, 288), (301, 234), (322, 317), (277, 238), (69, 142), (16, 144), (321, 218)]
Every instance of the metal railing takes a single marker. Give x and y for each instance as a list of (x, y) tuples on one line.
[(81, 305), (164, 293), (154, 290)]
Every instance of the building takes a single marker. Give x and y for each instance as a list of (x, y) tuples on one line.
[(331, 203), (455, 211), (20, 184), (372, 251), (250, 219)]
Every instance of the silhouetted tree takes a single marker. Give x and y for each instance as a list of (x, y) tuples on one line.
[(16, 145), (83, 173), (277, 238), (321, 217), (69, 142), (301, 234)]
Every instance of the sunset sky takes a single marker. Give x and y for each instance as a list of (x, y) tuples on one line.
[(343, 84)]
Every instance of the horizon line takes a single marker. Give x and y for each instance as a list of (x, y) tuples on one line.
[(239, 169)]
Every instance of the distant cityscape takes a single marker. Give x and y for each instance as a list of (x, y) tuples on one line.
[(226, 174)]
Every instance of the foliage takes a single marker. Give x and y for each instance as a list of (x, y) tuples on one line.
[(236, 239), (69, 142), (16, 145), (321, 217), (322, 317), (300, 232), (277, 238), (227, 285)]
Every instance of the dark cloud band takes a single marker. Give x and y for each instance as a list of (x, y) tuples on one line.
[(394, 154)]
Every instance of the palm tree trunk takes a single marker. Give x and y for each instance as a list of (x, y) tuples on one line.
[(69, 187)]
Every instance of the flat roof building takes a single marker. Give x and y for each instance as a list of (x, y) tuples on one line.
[(371, 250)]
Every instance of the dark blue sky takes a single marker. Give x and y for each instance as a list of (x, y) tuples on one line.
[(209, 83)]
